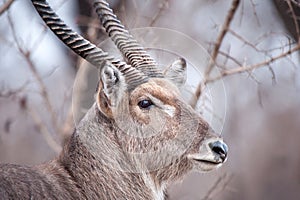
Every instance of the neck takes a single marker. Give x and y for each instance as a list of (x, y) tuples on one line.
[(94, 158)]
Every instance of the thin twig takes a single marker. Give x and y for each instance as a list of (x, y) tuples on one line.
[(226, 55), (252, 67), (254, 12), (163, 6), (225, 184), (225, 28), (213, 188), (27, 56), (294, 19), (235, 34), (211, 64), (5, 6), (225, 178), (12, 92), (44, 131), (255, 43), (230, 58)]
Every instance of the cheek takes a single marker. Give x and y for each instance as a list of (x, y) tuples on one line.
[(141, 117)]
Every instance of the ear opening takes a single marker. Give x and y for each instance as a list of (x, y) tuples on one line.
[(111, 88), (177, 72)]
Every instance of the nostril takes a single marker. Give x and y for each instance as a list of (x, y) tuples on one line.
[(219, 148)]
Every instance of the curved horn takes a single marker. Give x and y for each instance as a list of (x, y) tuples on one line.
[(83, 47), (129, 47), (73, 40)]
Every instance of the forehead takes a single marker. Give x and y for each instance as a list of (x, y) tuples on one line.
[(157, 87)]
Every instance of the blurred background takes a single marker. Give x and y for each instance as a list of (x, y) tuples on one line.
[(258, 57)]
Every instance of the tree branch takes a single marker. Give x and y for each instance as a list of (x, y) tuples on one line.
[(27, 56), (5, 6), (252, 67), (295, 20), (225, 178), (225, 28)]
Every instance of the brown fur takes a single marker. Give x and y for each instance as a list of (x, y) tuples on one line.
[(89, 167), (120, 149)]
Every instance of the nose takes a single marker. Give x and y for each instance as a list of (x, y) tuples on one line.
[(220, 149)]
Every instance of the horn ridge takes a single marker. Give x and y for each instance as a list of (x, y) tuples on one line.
[(133, 76), (124, 40), (85, 48), (73, 40)]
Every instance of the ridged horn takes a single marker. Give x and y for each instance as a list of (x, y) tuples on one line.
[(129, 47), (83, 47), (73, 40)]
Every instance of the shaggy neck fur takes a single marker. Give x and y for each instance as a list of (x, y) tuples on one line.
[(96, 173)]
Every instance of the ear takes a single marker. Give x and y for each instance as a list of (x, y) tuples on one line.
[(111, 88), (176, 72)]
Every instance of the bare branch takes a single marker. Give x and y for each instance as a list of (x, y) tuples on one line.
[(294, 19), (254, 11), (163, 6), (12, 92), (226, 55), (229, 57), (225, 28), (5, 6), (44, 131), (243, 40), (222, 182), (252, 67), (27, 56)]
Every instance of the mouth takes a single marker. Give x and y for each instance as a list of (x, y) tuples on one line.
[(208, 162), (205, 163), (211, 154)]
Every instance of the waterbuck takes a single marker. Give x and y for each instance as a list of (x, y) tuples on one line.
[(138, 136)]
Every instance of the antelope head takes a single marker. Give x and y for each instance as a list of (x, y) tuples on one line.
[(153, 126)]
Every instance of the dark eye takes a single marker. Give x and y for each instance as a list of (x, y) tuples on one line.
[(145, 104)]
